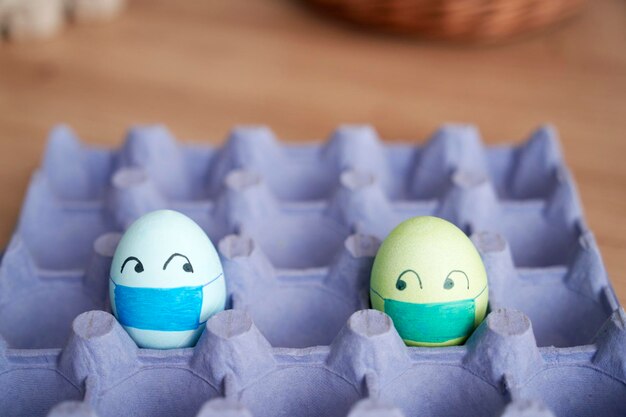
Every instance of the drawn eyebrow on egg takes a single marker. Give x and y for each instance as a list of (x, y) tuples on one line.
[(457, 271), (187, 267), (138, 267), (401, 284)]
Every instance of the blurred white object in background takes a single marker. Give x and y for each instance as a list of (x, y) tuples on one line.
[(35, 19), (87, 10), (23, 19)]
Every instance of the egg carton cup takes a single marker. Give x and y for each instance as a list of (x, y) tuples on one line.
[(298, 271), (28, 19), (366, 371)]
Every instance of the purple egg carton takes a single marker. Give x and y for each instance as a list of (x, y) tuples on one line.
[(297, 228)]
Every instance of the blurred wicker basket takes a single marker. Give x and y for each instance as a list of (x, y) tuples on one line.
[(463, 20)]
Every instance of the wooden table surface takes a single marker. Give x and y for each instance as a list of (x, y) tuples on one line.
[(203, 66)]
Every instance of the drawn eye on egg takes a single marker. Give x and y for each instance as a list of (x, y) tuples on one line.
[(401, 283), (455, 277), (138, 264), (187, 267)]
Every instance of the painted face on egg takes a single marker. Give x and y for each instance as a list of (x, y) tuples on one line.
[(166, 280), (429, 278)]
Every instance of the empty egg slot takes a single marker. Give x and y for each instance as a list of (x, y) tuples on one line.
[(74, 171), (560, 316), (536, 240), (298, 240), (511, 184), (198, 160), (40, 314), (499, 161), (33, 392), (37, 306), (565, 303), (178, 178), (66, 244), (201, 212), (299, 391), (59, 234), (178, 172), (396, 184), (299, 310), (304, 175), (298, 307), (442, 390), (156, 392), (579, 390)]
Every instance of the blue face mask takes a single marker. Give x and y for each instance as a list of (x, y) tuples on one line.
[(432, 322), (164, 309)]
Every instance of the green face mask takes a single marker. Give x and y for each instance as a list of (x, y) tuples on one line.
[(432, 322)]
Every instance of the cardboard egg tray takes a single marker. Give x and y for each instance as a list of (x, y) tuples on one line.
[(297, 227)]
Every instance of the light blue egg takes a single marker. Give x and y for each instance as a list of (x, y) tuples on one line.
[(166, 280)]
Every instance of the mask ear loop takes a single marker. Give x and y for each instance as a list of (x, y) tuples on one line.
[(480, 293), (378, 294), (213, 280)]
